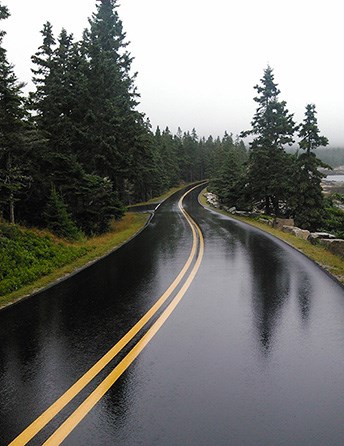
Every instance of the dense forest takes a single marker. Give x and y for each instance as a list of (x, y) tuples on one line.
[(76, 151)]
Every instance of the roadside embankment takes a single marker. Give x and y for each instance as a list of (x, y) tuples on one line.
[(32, 260), (331, 263)]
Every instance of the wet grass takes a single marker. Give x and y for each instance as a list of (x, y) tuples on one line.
[(90, 250), (332, 263)]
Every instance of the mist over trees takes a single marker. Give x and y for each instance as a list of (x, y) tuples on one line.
[(273, 180), (76, 151)]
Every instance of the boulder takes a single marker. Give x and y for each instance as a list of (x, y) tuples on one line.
[(336, 246), (316, 236), (288, 229), (280, 222), (212, 199), (301, 233), (266, 221)]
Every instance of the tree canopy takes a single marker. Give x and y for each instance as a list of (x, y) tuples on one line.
[(77, 150)]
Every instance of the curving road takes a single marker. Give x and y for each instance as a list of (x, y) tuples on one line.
[(200, 331)]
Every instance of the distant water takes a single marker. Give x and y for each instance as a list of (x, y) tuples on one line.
[(335, 178)]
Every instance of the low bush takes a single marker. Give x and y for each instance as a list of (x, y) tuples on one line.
[(26, 256)]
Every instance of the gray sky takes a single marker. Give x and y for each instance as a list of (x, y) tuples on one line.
[(198, 60)]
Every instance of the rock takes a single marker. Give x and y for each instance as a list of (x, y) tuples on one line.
[(265, 221), (212, 199), (280, 222), (232, 210), (244, 213), (336, 246), (301, 233), (288, 229), (316, 236)]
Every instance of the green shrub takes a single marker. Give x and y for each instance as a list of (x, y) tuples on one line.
[(58, 219), (334, 221), (26, 256)]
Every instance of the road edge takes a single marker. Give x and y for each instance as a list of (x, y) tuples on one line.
[(77, 270), (275, 236)]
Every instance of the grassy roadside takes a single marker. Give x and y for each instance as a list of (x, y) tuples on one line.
[(92, 249), (163, 196), (331, 263)]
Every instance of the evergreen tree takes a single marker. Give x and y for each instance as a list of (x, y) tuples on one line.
[(191, 160), (309, 132), (168, 146), (227, 170), (268, 176), (61, 99), (12, 129), (41, 101), (58, 219), (95, 204), (309, 201), (61, 103), (69, 94), (115, 127)]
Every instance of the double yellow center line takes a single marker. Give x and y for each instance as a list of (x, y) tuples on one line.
[(74, 419)]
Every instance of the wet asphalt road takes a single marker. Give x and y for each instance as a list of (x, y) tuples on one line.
[(252, 355)]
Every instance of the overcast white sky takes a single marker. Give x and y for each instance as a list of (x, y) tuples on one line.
[(198, 60)]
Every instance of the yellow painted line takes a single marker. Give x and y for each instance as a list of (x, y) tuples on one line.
[(74, 419), (40, 422)]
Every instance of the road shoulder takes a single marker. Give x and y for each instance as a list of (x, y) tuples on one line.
[(333, 265)]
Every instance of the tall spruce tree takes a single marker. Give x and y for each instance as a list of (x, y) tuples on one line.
[(269, 168), (115, 127), (41, 101), (228, 160), (309, 201), (12, 132), (61, 104)]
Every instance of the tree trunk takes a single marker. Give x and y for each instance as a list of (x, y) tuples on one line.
[(275, 203), (267, 205), (11, 200)]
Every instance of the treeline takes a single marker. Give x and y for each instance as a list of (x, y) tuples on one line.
[(76, 151), (333, 156), (273, 180)]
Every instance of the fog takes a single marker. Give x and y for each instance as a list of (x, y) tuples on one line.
[(198, 61)]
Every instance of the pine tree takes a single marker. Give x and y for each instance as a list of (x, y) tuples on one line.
[(115, 127), (69, 94), (191, 160), (41, 100), (228, 160), (12, 129), (58, 219), (309, 132), (269, 166), (168, 147), (309, 201)]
